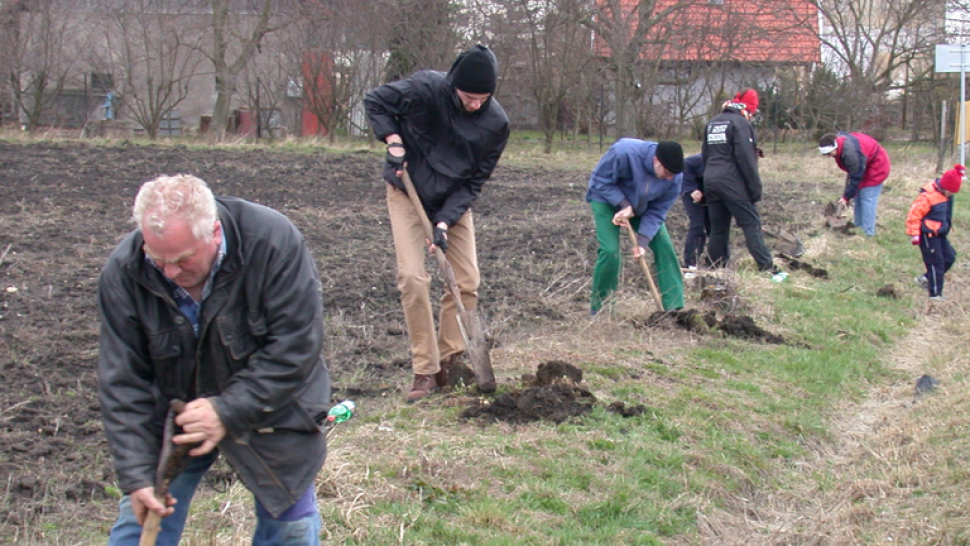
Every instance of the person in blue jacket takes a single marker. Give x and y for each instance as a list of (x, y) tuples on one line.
[(636, 182)]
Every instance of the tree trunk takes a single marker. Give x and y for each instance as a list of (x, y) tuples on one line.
[(220, 112)]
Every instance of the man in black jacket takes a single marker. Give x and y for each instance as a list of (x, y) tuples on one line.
[(732, 184), (449, 132), (217, 302)]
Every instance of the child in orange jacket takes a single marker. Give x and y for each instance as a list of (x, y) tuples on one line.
[(928, 224)]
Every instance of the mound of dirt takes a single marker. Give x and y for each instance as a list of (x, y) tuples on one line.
[(556, 403), (706, 322), (745, 328), (554, 395), (816, 272)]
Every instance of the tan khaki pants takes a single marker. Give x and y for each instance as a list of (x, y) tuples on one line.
[(414, 282)]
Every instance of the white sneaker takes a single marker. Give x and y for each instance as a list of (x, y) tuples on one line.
[(691, 273), (922, 281), (937, 299)]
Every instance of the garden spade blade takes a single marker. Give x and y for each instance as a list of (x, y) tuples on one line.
[(468, 321), (835, 214), (172, 461), (786, 242)]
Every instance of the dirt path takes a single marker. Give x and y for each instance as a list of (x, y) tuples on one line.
[(882, 477)]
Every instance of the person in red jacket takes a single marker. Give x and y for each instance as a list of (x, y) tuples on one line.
[(867, 166), (928, 225)]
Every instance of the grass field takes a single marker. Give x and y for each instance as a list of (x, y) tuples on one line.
[(817, 441)]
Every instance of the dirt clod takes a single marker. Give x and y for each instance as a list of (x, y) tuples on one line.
[(888, 291), (740, 326), (745, 327), (557, 371), (627, 411), (816, 272)]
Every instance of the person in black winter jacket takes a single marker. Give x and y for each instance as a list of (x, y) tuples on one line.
[(449, 132), (731, 180), (216, 302), (692, 196)]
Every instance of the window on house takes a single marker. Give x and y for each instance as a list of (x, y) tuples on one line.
[(294, 88), (102, 81)]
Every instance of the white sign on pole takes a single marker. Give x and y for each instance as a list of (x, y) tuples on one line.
[(953, 58), (949, 57)]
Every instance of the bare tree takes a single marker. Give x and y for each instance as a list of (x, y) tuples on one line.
[(337, 48), (422, 36), (236, 35), (869, 42), (39, 55), (263, 85), (9, 32), (624, 29), (547, 39), (151, 54)]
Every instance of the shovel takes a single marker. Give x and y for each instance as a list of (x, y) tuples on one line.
[(468, 321), (171, 462), (646, 268), (789, 243)]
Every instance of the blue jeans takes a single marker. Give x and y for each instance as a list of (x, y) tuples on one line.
[(866, 201), (298, 526)]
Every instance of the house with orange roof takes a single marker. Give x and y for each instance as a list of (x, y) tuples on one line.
[(691, 54)]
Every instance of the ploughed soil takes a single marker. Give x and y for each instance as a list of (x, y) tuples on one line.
[(63, 207)]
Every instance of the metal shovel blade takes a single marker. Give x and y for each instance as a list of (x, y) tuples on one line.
[(787, 243)]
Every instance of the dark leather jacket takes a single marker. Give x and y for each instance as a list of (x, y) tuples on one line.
[(450, 152), (257, 356)]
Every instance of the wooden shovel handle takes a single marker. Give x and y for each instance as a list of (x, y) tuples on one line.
[(153, 521), (468, 322), (646, 268), (149, 531), (446, 272)]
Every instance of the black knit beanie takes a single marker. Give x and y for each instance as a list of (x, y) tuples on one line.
[(475, 71), (671, 156)]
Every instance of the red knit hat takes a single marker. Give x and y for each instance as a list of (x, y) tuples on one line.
[(749, 97), (951, 180)]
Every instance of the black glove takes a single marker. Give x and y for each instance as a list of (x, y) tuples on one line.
[(441, 238), (393, 161)]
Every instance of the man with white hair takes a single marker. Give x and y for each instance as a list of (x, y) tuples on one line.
[(217, 302)]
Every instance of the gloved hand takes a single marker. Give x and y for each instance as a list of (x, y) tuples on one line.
[(914, 239), (441, 238), (395, 161)]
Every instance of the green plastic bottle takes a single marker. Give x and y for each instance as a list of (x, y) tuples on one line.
[(341, 412)]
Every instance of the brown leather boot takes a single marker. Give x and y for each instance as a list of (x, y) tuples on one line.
[(442, 377), (423, 386)]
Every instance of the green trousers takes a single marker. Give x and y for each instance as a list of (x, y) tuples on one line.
[(606, 272)]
